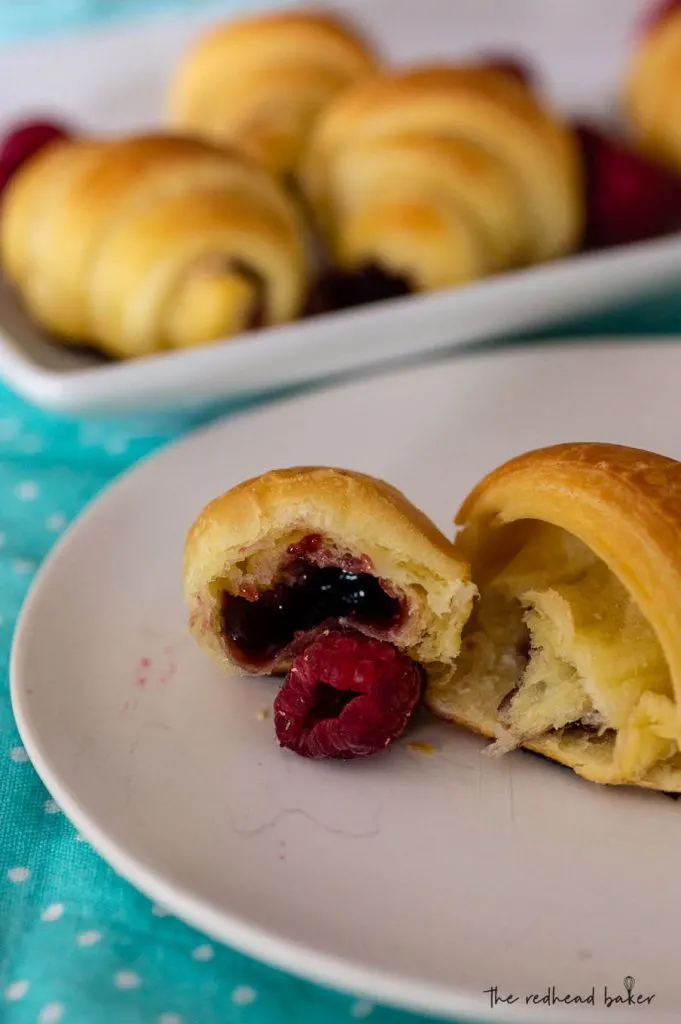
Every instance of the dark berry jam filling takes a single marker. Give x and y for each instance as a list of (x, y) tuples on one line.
[(257, 317), (336, 289), (306, 597)]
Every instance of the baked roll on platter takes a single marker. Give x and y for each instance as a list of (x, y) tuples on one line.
[(150, 243), (445, 174), (653, 83), (551, 623), (261, 81), (300, 173)]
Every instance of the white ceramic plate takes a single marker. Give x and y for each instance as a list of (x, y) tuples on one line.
[(115, 80), (418, 880)]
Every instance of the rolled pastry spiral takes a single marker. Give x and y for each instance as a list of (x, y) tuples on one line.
[(652, 93), (260, 82), (151, 243), (445, 174)]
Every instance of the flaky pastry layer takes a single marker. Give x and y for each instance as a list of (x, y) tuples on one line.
[(574, 649)]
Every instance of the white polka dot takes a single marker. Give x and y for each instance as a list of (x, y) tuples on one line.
[(18, 875), (90, 938), (51, 1013), (361, 1009), (116, 446), (244, 995), (22, 566), (51, 807), (203, 953), (3, 539), (88, 435), (27, 490), (53, 912), (9, 427), (31, 444), (159, 911), (79, 838), (169, 1018), (19, 755), (127, 980), (16, 990), (55, 522)]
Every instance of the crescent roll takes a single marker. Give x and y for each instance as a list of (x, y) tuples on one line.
[(151, 243), (573, 650), (444, 174), (653, 88), (271, 563), (260, 82)]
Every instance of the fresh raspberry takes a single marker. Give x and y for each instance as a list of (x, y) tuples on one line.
[(656, 14), (23, 142), (628, 197), (347, 695)]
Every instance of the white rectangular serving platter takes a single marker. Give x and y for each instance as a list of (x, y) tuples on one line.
[(114, 79)]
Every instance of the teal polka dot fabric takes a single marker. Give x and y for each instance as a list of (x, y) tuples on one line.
[(77, 944)]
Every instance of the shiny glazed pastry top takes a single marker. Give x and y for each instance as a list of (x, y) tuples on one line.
[(260, 82), (444, 174), (573, 650), (150, 243)]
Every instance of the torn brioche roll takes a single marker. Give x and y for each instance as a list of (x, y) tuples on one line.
[(573, 649), (293, 552)]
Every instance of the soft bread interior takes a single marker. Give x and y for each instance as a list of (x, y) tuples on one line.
[(433, 616), (558, 657), (274, 560)]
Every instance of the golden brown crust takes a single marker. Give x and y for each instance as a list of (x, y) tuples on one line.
[(653, 87), (362, 516), (346, 493), (138, 244), (625, 505), (275, 27), (567, 750), (260, 81), (480, 107)]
